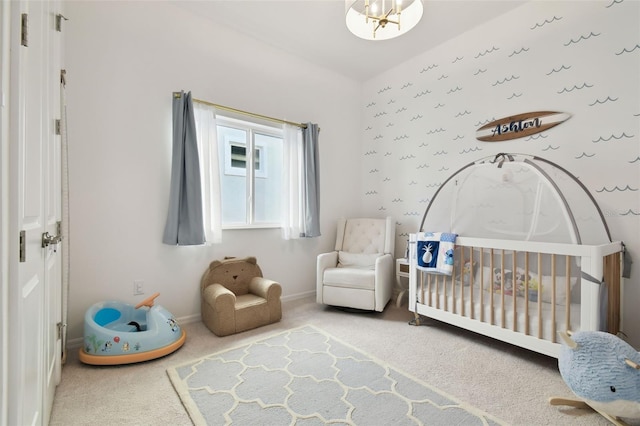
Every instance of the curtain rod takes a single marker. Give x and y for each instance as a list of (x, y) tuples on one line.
[(251, 114)]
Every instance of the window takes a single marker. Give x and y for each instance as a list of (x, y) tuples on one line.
[(253, 175), (251, 178)]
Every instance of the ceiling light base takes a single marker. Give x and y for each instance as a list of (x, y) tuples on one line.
[(363, 20)]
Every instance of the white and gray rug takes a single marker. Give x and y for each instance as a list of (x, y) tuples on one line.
[(304, 376)]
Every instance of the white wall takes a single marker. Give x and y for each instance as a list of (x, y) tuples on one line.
[(576, 57), (124, 59)]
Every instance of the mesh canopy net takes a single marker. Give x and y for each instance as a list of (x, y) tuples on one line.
[(516, 197)]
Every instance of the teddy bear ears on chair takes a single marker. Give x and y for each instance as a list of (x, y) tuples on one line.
[(229, 259)]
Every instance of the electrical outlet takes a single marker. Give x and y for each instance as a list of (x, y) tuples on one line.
[(138, 287)]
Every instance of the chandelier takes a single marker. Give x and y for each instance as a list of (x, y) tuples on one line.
[(380, 19)]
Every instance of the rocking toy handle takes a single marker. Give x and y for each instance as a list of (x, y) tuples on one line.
[(148, 301)]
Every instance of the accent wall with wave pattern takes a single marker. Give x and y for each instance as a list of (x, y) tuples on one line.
[(580, 57)]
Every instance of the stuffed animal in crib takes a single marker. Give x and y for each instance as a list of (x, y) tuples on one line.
[(603, 370), (448, 257), (508, 281)]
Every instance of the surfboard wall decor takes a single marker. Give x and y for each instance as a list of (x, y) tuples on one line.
[(521, 125)]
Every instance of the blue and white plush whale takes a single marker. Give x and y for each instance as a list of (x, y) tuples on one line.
[(603, 370)]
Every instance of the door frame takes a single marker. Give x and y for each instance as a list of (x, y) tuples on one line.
[(5, 20)]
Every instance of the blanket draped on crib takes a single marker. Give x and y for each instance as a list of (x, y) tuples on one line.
[(435, 252)]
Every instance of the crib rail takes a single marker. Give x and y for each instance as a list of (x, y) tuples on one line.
[(470, 286), (526, 289)]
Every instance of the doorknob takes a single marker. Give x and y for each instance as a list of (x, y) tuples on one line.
[(48, 239)]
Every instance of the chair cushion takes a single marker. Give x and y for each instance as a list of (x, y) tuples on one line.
[(251, 311), (357, 260), (350, 278), (248, 301)]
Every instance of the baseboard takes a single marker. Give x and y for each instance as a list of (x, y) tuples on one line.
[(298, 296), (77, 342)]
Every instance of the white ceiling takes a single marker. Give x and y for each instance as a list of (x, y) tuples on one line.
[(315, 29)]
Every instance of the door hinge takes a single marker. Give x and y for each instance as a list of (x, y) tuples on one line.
[(59, 18), (24, 37), (60, 326), (58, 130), (23, 248)]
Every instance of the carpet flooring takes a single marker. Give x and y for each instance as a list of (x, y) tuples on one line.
[(305, 376), (508, 382)]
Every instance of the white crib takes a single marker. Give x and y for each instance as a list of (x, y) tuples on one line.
[(522, 292)]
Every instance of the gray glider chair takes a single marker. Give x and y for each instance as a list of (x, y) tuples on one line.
[(359, 272)]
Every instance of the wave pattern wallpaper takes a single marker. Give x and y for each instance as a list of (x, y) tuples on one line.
[(582, 58)]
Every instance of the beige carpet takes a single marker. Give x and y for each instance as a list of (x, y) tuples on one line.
[(507, 382), (305, 376)]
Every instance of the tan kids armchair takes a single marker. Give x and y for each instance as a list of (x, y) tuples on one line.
[(359, 272), (235, 297)]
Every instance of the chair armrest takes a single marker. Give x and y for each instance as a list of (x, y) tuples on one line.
[(217, 294), (265, 288), (383, 280), (218, 306), (384, 268), (327, 260), (385, 261), (324, 261)]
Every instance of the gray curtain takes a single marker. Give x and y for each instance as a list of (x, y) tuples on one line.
[(311, 181), (185, 224)]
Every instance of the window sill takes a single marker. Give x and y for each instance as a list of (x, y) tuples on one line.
[(255, 226)]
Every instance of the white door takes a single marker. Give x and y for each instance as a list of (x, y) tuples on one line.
[(34, 180), (52, 165)]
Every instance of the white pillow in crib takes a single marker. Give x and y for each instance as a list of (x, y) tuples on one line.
[(479, 273), (357, 260), (547, 286), (561, 288)]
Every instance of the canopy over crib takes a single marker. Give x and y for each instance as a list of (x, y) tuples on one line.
[(516, 197)]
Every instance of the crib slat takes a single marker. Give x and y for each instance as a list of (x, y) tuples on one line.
[(429, 285), (539, 296), (461, 281), (502, 310), (553, 298), (421, 291), (452, 282), (526, 293), (567, 305), (481, 269), (514, 290), (440, 279), (471, 282), (436, 283), (493, 319)]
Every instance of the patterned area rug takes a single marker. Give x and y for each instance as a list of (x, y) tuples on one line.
[(304, 376)]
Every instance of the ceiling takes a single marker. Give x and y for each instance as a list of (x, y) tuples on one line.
[(315, 29)]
